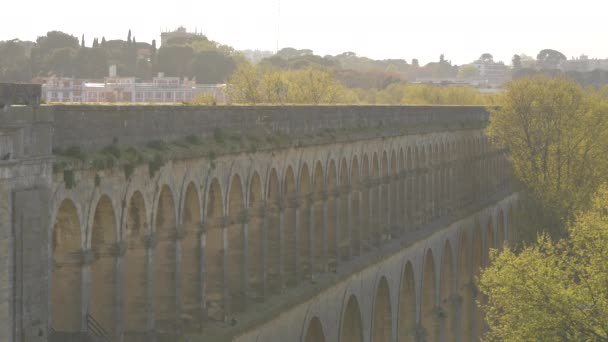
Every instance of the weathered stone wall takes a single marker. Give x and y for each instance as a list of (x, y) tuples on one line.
[(93, 127), (25, 179)]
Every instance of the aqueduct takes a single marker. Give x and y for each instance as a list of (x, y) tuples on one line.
[(374, 239)]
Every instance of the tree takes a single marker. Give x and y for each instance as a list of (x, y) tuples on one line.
[(14, 62), (174, 60), (550, 59), (415, 63), (211, 67), (557, 138), (467, 72), (244, 85), (516, 61), (486, 58), (129, 36), (553, 291), (82, 41), (45, 47)]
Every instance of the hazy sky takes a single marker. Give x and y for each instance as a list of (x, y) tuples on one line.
[(461, 29)]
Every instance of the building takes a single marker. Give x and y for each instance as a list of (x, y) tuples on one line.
[(180, 32), (584, 64), (127, 89), (491, 73)]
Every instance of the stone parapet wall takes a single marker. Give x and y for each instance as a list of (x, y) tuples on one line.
[(93, 127)]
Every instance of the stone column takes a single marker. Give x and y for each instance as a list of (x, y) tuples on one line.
[(264, 217), (282, 279), (311, 234), (180, 233), (324, 258), (338, 227), (225, 278), (150, 242), (349, 221), (118, 251), (244, 218), (202, 235), (296, 203)]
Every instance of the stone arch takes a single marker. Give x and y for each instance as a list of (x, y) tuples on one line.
[(135, 267), (351, 328), (382, 326), (165, 262), (318, 222), (428, 312), (344, 224), (273, 199), (357, 214), (291, 237), (66, 285), (235, 262), (448, 309), (407, 305), (314, 332), (410, 189), (510, 234), (305, 243), (332, 219), (102, 298), (214, 252), (190, 259), (255, 241)]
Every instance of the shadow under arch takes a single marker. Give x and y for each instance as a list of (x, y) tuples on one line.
[(351, 327), (407, 305), (382, 324)]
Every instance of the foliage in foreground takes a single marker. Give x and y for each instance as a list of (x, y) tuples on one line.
[(557, 135), (553, 291)]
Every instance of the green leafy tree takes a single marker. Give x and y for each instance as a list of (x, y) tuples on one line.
[(550, 59), (174, 60), (467, 71), (14, 62), (557, 137), (553, 291)]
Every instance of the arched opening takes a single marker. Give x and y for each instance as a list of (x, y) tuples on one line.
[(332, 218), (428, 311), (274, 234), (291, 246), (314, 333), (376, 203), (465, 289), (356, 221), (346, 229), (385, 197), (214, 253), (190, 256), (305, 248), (382, 323), (447, 312), (236, 245), (103, 270), (510, 232), (165, 304), (366, 206), (256, 238), (407, 306), (318, 222), (66, 289), (351, 329), (135, 268)]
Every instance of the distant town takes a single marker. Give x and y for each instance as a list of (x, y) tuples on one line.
[(188, 66)]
